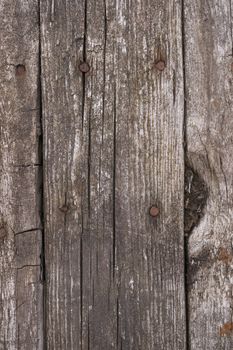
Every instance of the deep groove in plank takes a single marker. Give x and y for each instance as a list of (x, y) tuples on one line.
[(114, 186), (117, 326), (41, 159), (81, 284), (231, 14), (88, 175), (83, 97), (88, 334), (85, 32), (104, 67), (186, 256), (89, 166), (186, 260), (84, 59)]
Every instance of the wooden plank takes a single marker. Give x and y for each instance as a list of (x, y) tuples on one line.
[(113, 147), (21, 303), (149, 170), (62, 31), (209, 127)]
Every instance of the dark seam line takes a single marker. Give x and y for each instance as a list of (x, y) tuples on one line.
[(114, 184), (231, 30), (186, 255), (88, 175), (27, 231), (41, 171)]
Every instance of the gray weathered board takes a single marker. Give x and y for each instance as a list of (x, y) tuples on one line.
[(83, 157)]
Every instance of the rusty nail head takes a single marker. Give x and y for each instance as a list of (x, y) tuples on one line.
[(154, 211), (84, 67), (160, 65), (20, 70)]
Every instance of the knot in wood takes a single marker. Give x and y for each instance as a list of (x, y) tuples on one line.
[(195, 198)]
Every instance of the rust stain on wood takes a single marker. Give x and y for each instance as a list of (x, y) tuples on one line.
[(224, 255), (226, 329)]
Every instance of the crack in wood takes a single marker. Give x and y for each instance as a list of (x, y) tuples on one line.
[(88, 175), (42, 265), (195, 198), (114, 186), (28, 231), (25, 266)]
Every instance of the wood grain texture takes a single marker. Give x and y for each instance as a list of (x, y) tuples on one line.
[(20, 225), (112, 148), (209, 127), (62, 39)]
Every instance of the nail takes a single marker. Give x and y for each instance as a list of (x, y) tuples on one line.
[(84, 67), (160, 65), (154, 211), (20, 70)]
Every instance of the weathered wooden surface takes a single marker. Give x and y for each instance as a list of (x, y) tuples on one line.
[(20, 226), (209, 128), (115, 136), (113, 147), (62, 29)]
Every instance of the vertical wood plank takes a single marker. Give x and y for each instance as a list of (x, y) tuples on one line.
[(149, 170), (21, 304), (113, 148), (209, 126), (100, 312), (62, 39)]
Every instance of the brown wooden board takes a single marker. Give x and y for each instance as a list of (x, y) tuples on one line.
[(21, 288), (129, 185), (209, 129), (113, 146)]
